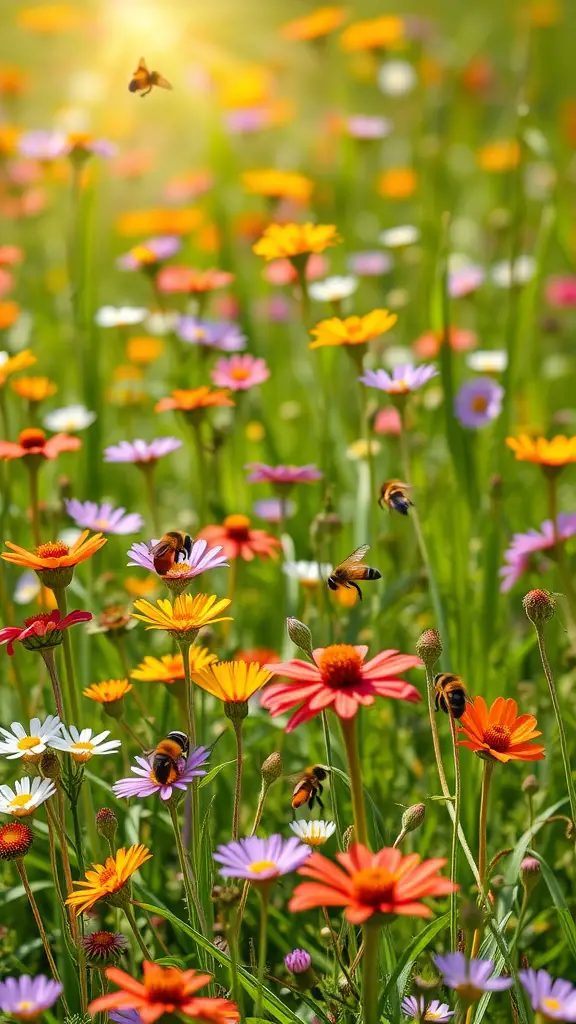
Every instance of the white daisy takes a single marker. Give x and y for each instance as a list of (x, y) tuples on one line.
[(313, 833), (400, 236), (26, 797), (521, 271), (82, 745), (309, 574), (32, 744), (488, 361), (69, 418), (333, 289), (120, 316)]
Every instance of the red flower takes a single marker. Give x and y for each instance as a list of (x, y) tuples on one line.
[(43, 630), (172, 280), (238, 540), (34, 442), (338, 678), (371, 883), (165, 990)]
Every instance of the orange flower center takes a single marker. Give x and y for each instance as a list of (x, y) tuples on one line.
[(479, 403), (551, 1004), (498, 737), (240, 374), (54, 549), (32, 438), (107, 875), (12, 835), (237, 527), (113, 617), (178, 569), (374, 886), (165, 987), (341, 666)]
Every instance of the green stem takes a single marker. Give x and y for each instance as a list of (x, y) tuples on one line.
[(189, 883), (328, 745), (559, 722), (202, 480), (265, 893), (148, 474), (431, 693), (34, 907), (34, 507), (455, 825), (370, 979), (232, 585), (350, 737), (521, 916), (559, 552), (235, 986), (48, 657), (78, 842), (237, 724), (71, 696), (482, 851), (134, 926)]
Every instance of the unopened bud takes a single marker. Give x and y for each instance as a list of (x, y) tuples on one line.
[(539, 606), (530, 786), (50, 765), (498, 881), (300, 635), (413, 817), (344, 986), (298, 961), (106, 823), (326, 935), (471, 916), (348, 837), (530, 873), (429, 647), (327, 523), (236, 710), (272, 768)]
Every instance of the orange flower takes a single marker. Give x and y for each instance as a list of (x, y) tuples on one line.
[(170, 667), (555, 453), (278, 185), (22, 361), (144, 350), (318, 23), (188, 280), (9, 136), (247, 86), (354, 330), (34, 389), (49, 18), (9, 255), (159, 221), (13, 80), (165, 990), (498, 733), (107, 880), (9, 313), (501, 155), (194, 400), (428, 345), (239, 540), (373, 33), (371, 883), (33, 442), (397, 183), (55, 555), (108, 692), (543, 13), (188, 185), (295, 240)]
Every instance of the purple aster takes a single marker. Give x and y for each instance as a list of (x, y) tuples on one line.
[(370, 263), (42, 144), (26, 997), (202, 558), (298, 961), (149, 253), (470, 978), (281, 475), (415, 1007), (146, 784), (140, 451), (261, 860), (125, 1016), (222, 336), (401, 381), (366, 126), (465, 281), (103, 518), (478, 402), (274, 510), (555, 999), (524, 545)]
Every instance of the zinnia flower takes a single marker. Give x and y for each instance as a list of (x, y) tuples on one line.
[(238, 540), (292, 240), (261, 860), (470, 978), (82, 745), (338, 678), (555, 999), (103, 517), (146, 784), (27, 795), (552, 454), (428, 345), (165, 990), (31, 744), (54, 562), (371, 883), (193, 400), (33, 442), (27, 998), (354, 330), (560, 291), (143, 452), (518, 556), (499, 733), (478, 402), (417, 1008), (313, 833), (232, 681), (170, 667), (403, 380), (185, 617), (189, 281), (106, 881), (239, 373), (13, 364), (41, 631)]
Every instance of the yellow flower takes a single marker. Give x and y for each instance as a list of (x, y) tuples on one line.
[(22, 361), (9, 135), (140, 588), (186, 616), (255, 431), (278, 184), (397, 183), (34, 389), (354, 330), (170, 667), (49, 18), (144, 350), (106, 880), (501, 155), (373, 33), (245, 86), (290, 240), (318, 23), (232, 681), (109, 691), (544, 13), (159, 221), (554, 454)]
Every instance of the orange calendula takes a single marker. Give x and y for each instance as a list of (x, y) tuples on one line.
[(9, 313), (354, 330), (144, 350), (109, 691), (49, 18), (397, 183), (373, 33), (555, 453), (106, 881), (34, 389), (54, 562), (278, 184), (500, 155), (170, 667), (320, 22), (13, 80), (291, 240), (12, 364), (159, 221), (499, 733), (194, 399)]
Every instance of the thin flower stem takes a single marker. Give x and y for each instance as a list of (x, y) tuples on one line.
[(338, 954), (455, 825), (134, 926), (202, 480), (482, 851), (521, 917), (34, 505), (189, 690), (232, 585), (49, 660), (370, 979), (61, 828), (265, 893), (78, 842), (328, 745), (189, 882), (52, 830), (237, 723), (127, 728), (72, 696), (235, 986), (148, 474), (559, 722), (434, 730), (34, 907), (350, 737), (559, 554)]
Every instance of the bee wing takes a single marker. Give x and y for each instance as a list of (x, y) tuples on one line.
[(142, 66), (162, 82), (294, 778), (352, 561), (161, 548)]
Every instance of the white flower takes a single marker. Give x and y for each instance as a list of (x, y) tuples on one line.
[(309, 574), (27, 588), (26, 797), (396, 238), (162, 323), (120, 316), (69, 418), (32, 744), (4, 357), (486, 361), (505, 274), (82, 745), (333, 288), (396, 78), (313, 833), (69, 535)]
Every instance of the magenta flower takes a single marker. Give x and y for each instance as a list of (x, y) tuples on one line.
[(103, 518), (471, 977), (150, 254), (368, 126), (282, 476), (246, 120), (146, 783), (261, 860), (225, 337), (202, 558), (524, 545), (465, 281), (560, 291), (478, 402), (26, 998), (369, 264), (240, 372), (140, 451), (402, 381), (298, 961), (554, 999)]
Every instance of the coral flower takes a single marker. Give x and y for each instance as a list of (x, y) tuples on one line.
[(41, 631), (354, 330), (108, 692), (499, 733), (278, 185), (13, 364), (189, 281), (397, 183), (238, 540), (165, 990), (9, 313), (240, 372), (560, 291), (428, 345), (55, 554), (34, 442), (107, 880), (170, 667), (187, 615), (295, 240), (320, 22), (340, 679), (552, 454), (232, 681), (34, 389), (372, 33), (193, 400), (144, 350), (371, 883)]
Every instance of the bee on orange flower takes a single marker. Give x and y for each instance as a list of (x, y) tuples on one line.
[(393, 494), (309, 788), (352, 569), (451, 694), (168, 548), (143, 80)]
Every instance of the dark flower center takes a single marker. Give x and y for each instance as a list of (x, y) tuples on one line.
[(374, 886), (341, 666), (498, 737)]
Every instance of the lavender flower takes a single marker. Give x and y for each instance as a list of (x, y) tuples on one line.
[(147, 784), (103, 518), (415, 1007), (464, 280), (274, 510), (282, 475), (140, 451), (222, 336), (368, 127), (26, 998), (403, 379), (149, 253), (202, 558), (245, 120), (524, 545), (125, 1016), (470, 978), (41, 144), (478, 402), (369, 264), (298, 961), (261, 860), (555, 999)]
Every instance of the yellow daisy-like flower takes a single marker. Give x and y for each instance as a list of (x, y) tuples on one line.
[(22, 361), (49, 18), (34, 389), (278, 184), (315, 25), (354, 330), (397, 183), (108, 692), (107, 880), (170, 667), (289, 240), (372, 33), (185, 617), (232, 681), (555, 453)]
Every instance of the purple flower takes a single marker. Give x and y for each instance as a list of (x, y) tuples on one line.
[(402, 380), (298, 961), (202, 558), (223, 336), (141, 451), (146, 784), (42, 144), (149, 253), (125, 1016), (478, 402), (415, 1006), (524, 545), (470, 978), (103, 518), (26, 997), (465, 281), (282, 475), (246, 120), (261, 860), (274, 510), (555, 999), (369, 264), (366, 126)]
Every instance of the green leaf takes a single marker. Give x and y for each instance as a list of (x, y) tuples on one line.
[(206, 779), (559, 900), (17, 891), (512, 872), (411, 954)]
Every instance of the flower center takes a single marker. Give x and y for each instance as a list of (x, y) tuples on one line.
[(12, 836), (28, 742), (479, 403), (178, 569), (19, 801), (237, 527), (103, 940), (398, 387), (341, 666), (498, 737), (374, 886), (262, 865), (41, 622), (54, 549), (101, 524), (142, 254), (468, 992), (32, 438), (165, 990), (551, 1004), (81, 752), (107, 875), (240, 374), (113, 617), (27, 1008)]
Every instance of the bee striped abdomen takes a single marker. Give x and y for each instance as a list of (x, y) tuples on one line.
[(451, 694)]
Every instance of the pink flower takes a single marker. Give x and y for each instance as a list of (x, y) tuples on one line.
[(240, 372), (387, 421), (560, 291), (524, 545), (282, 271), (282, 475)]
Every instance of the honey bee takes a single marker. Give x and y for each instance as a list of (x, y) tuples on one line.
[(167, 754), (393, 494), (309, 788), (143, 80), (451, 694), (352, 569), (168, 548)]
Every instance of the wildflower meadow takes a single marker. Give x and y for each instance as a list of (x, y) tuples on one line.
[(287, 512)]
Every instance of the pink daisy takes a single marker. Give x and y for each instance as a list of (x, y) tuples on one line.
[(524, 545), (240, 372)]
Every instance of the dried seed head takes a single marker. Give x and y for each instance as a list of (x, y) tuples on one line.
[(106, 823), (429, 647), (272, 768), (50, 765), (300, 635), (103, 948), (539, 606), (530, 786)]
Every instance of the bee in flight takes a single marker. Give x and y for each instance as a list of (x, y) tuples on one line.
[(168, 549), (309, 788), (166, 755), (393, 494), (451, 694), (143, 80), (352, 569)]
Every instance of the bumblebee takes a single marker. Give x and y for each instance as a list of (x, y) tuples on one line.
[(451, 694), (143, 80), (393, 494), (168, 548), (309, 788), (167, 754), (352, 569)]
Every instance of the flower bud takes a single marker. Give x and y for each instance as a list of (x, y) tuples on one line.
[(348, 837), (539, 606), (326, 935), (298, 961), (226, 895), (103, 948), (15, 840), (272, 768), (344, 986), (50, 765), (413, 817), (530, 873), (106, 823), (300, 635), (429, 647), (530, 786), (326, 523)]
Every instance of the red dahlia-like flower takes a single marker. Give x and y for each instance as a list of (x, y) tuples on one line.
[(43, 630), (34, 442)]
